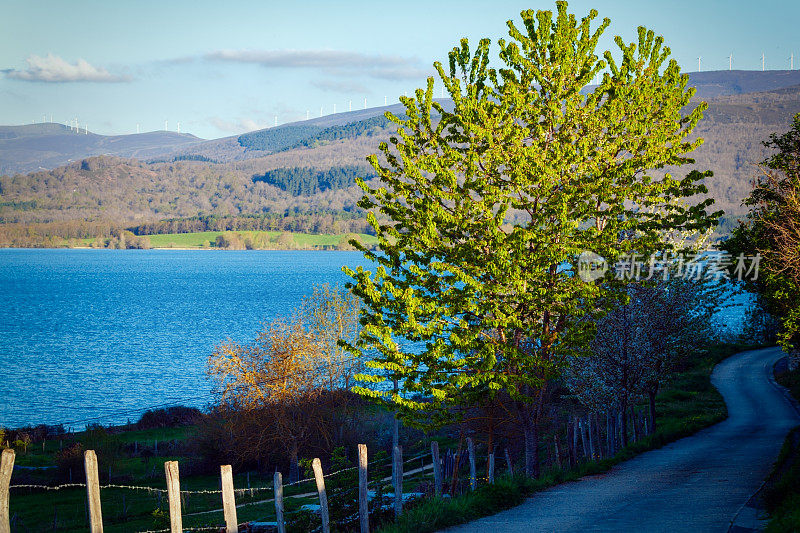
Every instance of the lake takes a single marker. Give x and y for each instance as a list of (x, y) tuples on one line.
[(100, 335)]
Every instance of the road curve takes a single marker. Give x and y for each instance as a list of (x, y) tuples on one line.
[(699, 483)]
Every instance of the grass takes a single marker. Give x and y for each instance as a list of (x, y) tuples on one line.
[(205, 239), (686, 405), (782, 493)]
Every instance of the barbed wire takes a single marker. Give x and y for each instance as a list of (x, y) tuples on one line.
[(204, 491)]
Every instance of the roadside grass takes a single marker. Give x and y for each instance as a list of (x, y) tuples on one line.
[(686, 405), (782, 493)]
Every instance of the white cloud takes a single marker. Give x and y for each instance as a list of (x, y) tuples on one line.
[(335, 62), (53, 69), (307, 58)]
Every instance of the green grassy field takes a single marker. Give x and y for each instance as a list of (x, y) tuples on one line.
[(261, 240)]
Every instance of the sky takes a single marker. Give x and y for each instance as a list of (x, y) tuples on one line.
[(223, 68)]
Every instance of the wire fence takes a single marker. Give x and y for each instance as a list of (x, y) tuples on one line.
[(93, 489)]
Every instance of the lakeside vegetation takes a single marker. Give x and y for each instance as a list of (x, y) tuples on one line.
[(134, 455)]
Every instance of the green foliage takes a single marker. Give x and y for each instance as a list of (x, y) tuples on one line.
[(782, 493), (772, 230), (462, 304), (306, 181), (276, 139)]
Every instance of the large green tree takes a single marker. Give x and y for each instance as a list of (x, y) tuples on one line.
[(483, 306)]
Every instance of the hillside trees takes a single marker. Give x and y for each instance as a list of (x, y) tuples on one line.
[(772, 228), (489, 307)]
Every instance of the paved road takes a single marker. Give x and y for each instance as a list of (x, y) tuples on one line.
[(700, 483)]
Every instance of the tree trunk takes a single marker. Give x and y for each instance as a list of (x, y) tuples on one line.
[(294, 469), (651, 396), (531, 431), (624, 414)]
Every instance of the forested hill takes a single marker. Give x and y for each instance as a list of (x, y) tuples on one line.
[(315, 171)]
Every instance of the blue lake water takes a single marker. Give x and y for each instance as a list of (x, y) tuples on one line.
[(99, 335)]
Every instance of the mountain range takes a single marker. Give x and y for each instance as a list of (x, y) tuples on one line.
[(52, 173)]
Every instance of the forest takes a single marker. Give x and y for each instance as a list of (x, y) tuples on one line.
[(305, 181)]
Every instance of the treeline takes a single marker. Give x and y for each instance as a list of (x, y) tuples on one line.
[(290, 137), (333, 222), (114, 235), (306, 181), (276, 139), (186, 157), (345, 131)]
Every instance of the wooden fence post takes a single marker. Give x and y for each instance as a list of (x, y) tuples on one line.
[(491, 467), (316, 465), (228, 499), (6, 468), (174, 495), (509, 464), (437, 469), (363, 493), (398, 481), (277, 485), (473, 475), (93, 492)]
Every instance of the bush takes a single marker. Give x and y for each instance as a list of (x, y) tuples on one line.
[(69, 463), (169, 417)]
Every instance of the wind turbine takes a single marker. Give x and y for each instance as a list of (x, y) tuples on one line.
[(350, 106), (730, 61), (365, 102), (276, 121), (384, 100), (165, 126), (791, 61), (763, 58), (137, 128), (179, 127), (698, 63), (307, 114), (320, 110), (334, 109)]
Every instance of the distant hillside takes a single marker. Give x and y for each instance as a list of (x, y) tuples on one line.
[(713, 84), (297, 177), (48, 145)]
